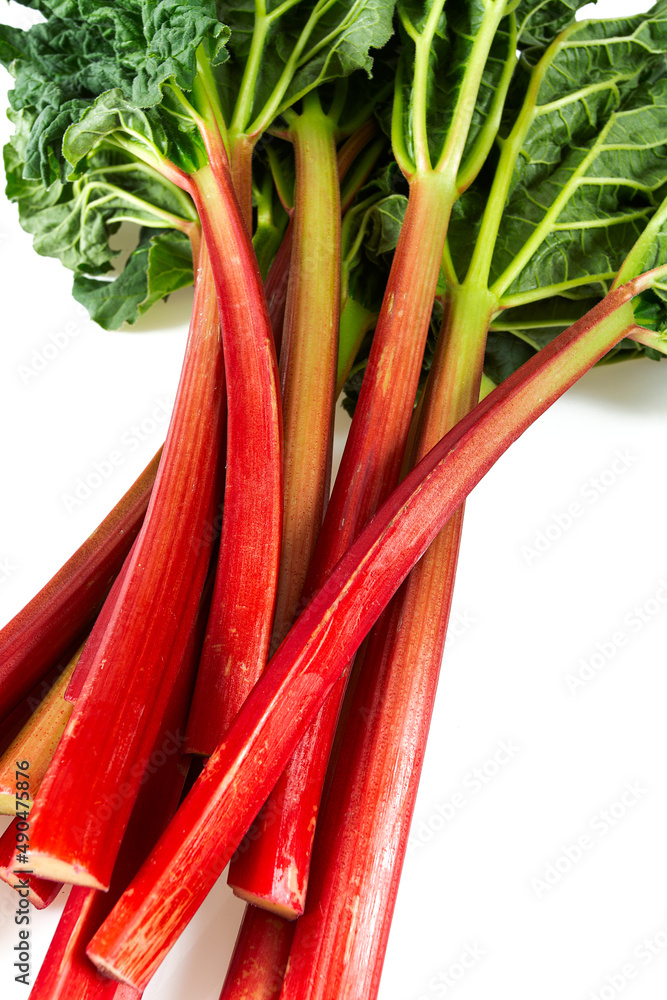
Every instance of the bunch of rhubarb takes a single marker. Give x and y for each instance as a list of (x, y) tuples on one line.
[(445, 211)]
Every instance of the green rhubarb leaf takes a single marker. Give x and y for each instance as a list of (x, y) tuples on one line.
[(160, 265), (112, 116), (539, 23), (457, 64), (385, 221), (125, 66), (75, 220), (280, 51), (581, 166)]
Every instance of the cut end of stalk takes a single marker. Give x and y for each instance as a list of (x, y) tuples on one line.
[(281, 910), (56, 870), (8, 803), (107, 967)]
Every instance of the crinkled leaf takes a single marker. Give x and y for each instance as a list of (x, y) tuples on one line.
[(385, 221), (297, 49), (108, 115), (74, 220), (129, 48), (160, 265), (453, 34), (539, 23), (590, 156)]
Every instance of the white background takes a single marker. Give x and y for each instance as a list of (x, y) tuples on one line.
[(526, 622)]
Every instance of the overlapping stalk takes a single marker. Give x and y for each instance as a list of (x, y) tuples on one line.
[(276, 864), (66, 971), (37, 741), (136, 661), (213, 818)]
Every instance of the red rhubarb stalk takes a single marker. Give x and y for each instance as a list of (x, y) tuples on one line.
[(81, 812), (66, 971), (211, 822), (308, 364), (260, 956), (89, 651), (33, 641), (368, 809), (239, 627), (307, 371), (39, 892)]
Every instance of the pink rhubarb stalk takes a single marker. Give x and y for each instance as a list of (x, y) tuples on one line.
[(212, 820), (81, 812), (239, 627)]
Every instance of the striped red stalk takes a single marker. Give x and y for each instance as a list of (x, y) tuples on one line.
[(239, 627), (273, 871), (212, 820), (81, 812)]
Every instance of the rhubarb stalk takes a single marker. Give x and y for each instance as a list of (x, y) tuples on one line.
[(40, 892), (66, 972), (75, 834), (239, 628), (210, 823), (277, 862), (37, 741)]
